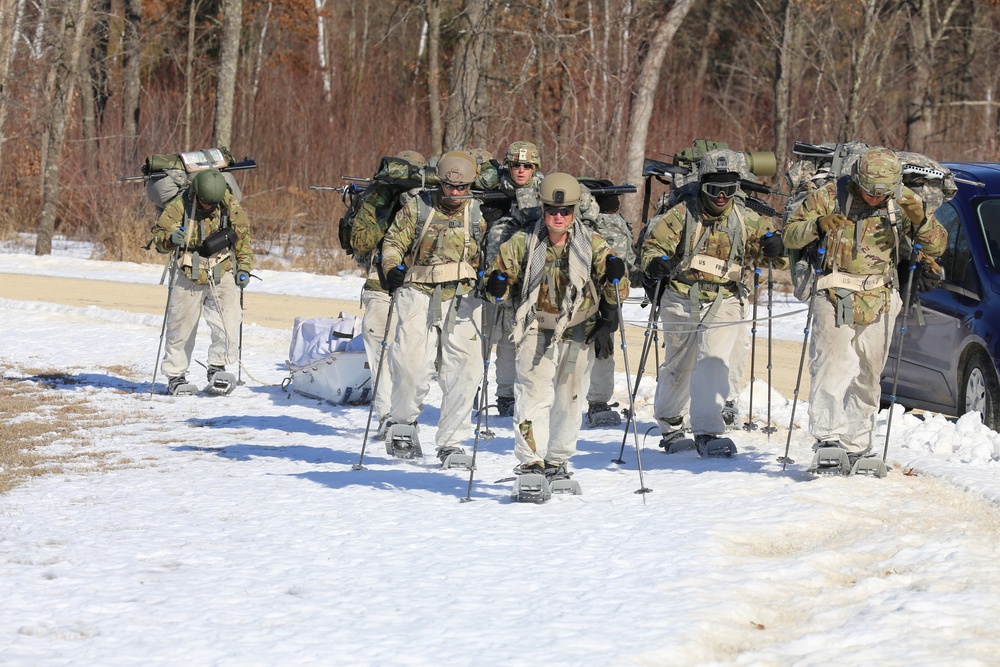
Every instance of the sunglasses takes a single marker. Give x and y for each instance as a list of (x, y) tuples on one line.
[(456, 188), (564, 211), (715, 189), (521, 165)]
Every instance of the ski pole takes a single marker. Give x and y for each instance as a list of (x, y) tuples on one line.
[(769, 428), (749, 424), (172, 269), (784, 460), (378, 374), (239, 364), (483, 404), (648, 340), (899, 349), (643, 490)]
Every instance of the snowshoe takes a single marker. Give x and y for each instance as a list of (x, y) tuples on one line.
[(830, 460), (730, 415), (600, 413), (505, 406), (675, 441), (220, 382), (454, 457), (530, 485), (179, 386), (714, 446), (868, 465), (401, 441), (558, 476)]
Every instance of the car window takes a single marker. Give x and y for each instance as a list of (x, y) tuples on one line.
[(988, 213), (956, 256)]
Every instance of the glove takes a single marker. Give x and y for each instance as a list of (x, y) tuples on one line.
[(614, 269), (177, 237), (649, 286), (772, 245), (496, 284), (913, 207), (242, 278), (394, 278), (930, 275), (659, 267), (603, 334), (831, 224)]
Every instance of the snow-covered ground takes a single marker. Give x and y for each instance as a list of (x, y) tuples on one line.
[(238, 534)]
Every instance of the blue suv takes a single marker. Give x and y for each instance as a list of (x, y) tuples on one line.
[(949, 359)]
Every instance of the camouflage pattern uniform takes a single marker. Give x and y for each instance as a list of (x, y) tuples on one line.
[(205, 285), (852, 328), (701, 351), (552, 374), (438, 313)]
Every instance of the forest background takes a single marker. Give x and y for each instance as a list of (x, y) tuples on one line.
[(317, 89)]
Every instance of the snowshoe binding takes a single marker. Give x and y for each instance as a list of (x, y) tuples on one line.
[(179, 386), (830, 459), (675, 440), (454, 457), (600, 413), (714, 446), (505, 406), (402, 442), (530, 485), (558, 476), (220, 382), (730, 415)]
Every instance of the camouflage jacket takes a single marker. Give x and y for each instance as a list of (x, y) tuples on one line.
[(876, 254), (373, 218), (193, 265), (511, 261), (668, 231), (444, 254)]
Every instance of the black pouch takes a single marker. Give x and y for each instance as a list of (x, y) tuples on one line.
[(224, 239)]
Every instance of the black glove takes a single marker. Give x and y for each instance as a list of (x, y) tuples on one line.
[(496, 284), (614, 269), (603, 334), (242, 278), (659, 267), (927, 279), (394, 278), (649, 286), (772, 245)]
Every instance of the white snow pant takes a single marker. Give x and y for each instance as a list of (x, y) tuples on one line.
[(420, 340), (738, 363), (373, 328), (602, 381), (845, 363), (548, 397), (220, 305), (695, 373), (504, 346)]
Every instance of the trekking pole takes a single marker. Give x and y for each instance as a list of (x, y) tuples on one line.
[(172, 269), (483, 404), (643, 490), (749, 424), (654, 311), (239, 364), (769, 428), (378, 375), (899, 349), (784, 460)]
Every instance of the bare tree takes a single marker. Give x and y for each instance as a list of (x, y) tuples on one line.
[(229, 57), (928, 26), (131, 84), (11, 14), (782, 83), (465, 112), (434, 74), (643, 97)]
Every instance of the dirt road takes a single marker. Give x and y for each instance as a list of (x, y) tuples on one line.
[(280, 311)]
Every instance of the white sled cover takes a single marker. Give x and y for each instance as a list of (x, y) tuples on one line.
[(327, 360)]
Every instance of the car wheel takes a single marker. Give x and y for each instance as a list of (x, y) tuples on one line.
[(980, 389)]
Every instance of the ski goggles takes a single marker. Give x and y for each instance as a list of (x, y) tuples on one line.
[(713, 190), (564, 211)]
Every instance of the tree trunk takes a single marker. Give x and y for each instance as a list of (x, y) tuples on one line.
[(131, 84), (11, 15), (323, 54), (464, 110), (642, 101), (229, 58), (925, 37), (434, 74), (782, 84), (66, 68)]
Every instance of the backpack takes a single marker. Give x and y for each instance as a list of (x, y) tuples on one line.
[(820, 164), (169, 174)]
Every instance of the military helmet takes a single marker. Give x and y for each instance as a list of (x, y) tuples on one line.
[(209, 186), (480, 155), (457, 168), (523, 151), (559, 189), (721, 165), (877, 172), (412, 157)]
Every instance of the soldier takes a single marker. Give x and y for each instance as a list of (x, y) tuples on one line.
[(700, 249), (519, 179), (210, 233), (601, 213), (379, 205), (430, 258), (563, 278), (859, 220)]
